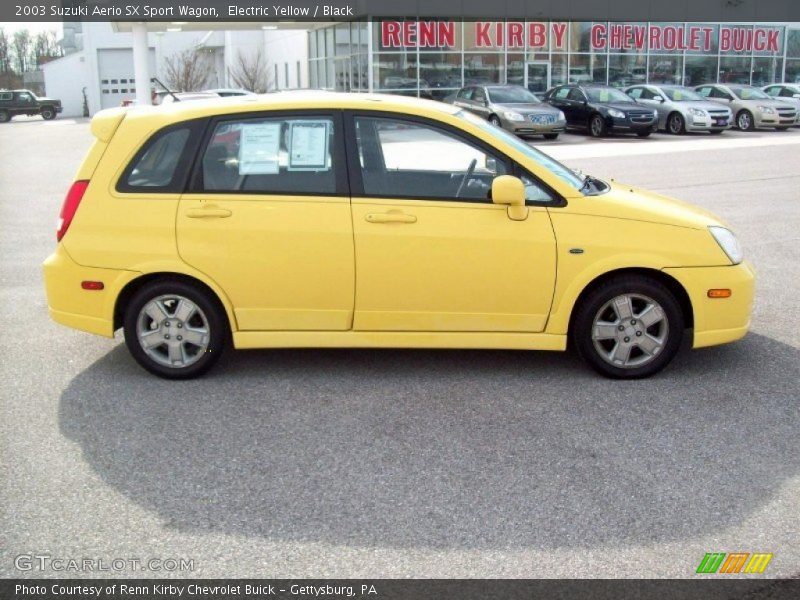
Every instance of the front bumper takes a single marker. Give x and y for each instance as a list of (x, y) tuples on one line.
[(707, 124), (527, 127), (69, 304), (768, 120), (723, 320), (622, 125)]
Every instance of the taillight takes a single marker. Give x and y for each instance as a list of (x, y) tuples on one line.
[(70, 206)]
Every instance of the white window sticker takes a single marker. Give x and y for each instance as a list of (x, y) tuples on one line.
[(259, 146), (308, 146)]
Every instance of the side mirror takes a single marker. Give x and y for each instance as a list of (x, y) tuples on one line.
[(658, 98), (510, 191)]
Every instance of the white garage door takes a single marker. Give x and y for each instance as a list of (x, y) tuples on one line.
[(117, 83)]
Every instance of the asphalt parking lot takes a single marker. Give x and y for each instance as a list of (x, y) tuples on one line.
[(352, 463)]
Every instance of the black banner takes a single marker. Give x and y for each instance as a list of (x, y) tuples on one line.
[(342, 10), (393, 589)]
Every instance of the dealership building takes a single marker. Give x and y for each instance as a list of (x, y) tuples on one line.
[(436, 57), (112, 62)]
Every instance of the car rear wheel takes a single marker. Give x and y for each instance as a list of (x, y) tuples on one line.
[(597, 126), (48, 114), (4, 116), (744, 120), (550, 136), (676, 124), (175, 330), (628, 327), (495, 120)]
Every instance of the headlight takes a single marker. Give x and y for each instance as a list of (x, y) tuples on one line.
[(697, 112), (728, 242), (618, 114), (767, 109), (562, 116), (512, 116)]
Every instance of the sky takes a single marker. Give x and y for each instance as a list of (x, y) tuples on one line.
[(34, 28)]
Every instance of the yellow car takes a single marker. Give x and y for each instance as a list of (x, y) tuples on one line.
[(309, 219)]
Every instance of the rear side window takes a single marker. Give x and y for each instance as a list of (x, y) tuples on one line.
[(275, 155), (6, 95), (162, 164)]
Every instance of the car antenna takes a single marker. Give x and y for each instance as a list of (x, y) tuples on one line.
[(169, 91)]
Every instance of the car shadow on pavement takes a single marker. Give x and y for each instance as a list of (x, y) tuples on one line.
[(445, 449)]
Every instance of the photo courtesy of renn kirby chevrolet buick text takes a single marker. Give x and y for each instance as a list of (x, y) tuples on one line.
[(318, 219)]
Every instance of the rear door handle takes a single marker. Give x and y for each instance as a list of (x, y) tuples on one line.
[(390, 217), (211, 212)]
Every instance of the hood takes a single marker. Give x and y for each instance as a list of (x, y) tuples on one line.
[(764, 102), (703, 104), (45, 99), (623, 106), (641, 205), (528, 107)]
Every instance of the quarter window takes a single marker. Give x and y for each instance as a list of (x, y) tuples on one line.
[(405, 159), (635, 93), (562, 93), (290, 155), (156, 168), (576, 95)]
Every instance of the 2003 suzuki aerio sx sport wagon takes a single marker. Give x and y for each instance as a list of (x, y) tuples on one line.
[(315, 219)]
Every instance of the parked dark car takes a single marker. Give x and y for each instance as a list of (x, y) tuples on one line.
[(25, 102), (601, 109)]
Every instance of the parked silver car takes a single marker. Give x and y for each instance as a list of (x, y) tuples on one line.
[(786, 92), (751, 107), (681, 109), (512, 107)]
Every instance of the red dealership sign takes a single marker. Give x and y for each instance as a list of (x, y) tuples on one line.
[(602, 36)]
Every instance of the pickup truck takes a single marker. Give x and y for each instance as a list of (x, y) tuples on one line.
[(25, 102)]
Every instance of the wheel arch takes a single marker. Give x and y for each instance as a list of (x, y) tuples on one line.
[(133, 286), (672, 284)]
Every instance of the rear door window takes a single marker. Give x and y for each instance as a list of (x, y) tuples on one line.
[(273, 155)]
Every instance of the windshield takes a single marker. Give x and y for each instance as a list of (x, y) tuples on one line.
[(607, 95), (682, 94), (562, 172), (748, 93), (511, 95)]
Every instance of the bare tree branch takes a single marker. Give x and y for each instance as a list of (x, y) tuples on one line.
[(250, 73), (187, 71)]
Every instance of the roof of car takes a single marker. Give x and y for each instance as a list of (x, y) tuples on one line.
[(308, 99)]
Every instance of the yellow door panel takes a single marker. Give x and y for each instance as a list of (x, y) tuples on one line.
[(451, 266), (286, 262)]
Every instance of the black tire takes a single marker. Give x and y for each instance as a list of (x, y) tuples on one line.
[(744, 120), (643, 288), (597, 126), (211, 310), (550, 136), (644, 134), (48, 113), (676, 124), (495, 120), (5, 116)]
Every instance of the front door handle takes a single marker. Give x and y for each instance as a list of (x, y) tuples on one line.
[(210, 212), (390, 217)]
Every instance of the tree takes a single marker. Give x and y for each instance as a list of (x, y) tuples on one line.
[(5, 52), (45, 47), (250, 73), (22, 49), (187, 71)]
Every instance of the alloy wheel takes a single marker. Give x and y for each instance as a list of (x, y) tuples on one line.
[(675, 124), (744, 121), (630, 330), (173, 331)]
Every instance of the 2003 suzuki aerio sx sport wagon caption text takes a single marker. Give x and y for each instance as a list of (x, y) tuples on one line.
[(316, 219)]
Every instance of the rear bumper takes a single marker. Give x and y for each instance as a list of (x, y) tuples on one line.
[(718, 321), (69, 304)]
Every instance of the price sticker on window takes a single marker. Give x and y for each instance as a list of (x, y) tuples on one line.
[(308, 146), (258, 149)]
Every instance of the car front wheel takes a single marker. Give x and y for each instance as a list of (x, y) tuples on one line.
[(676, 124), (495, 120), (744, 121), (174, 329), (597, 126), (628, 327)]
